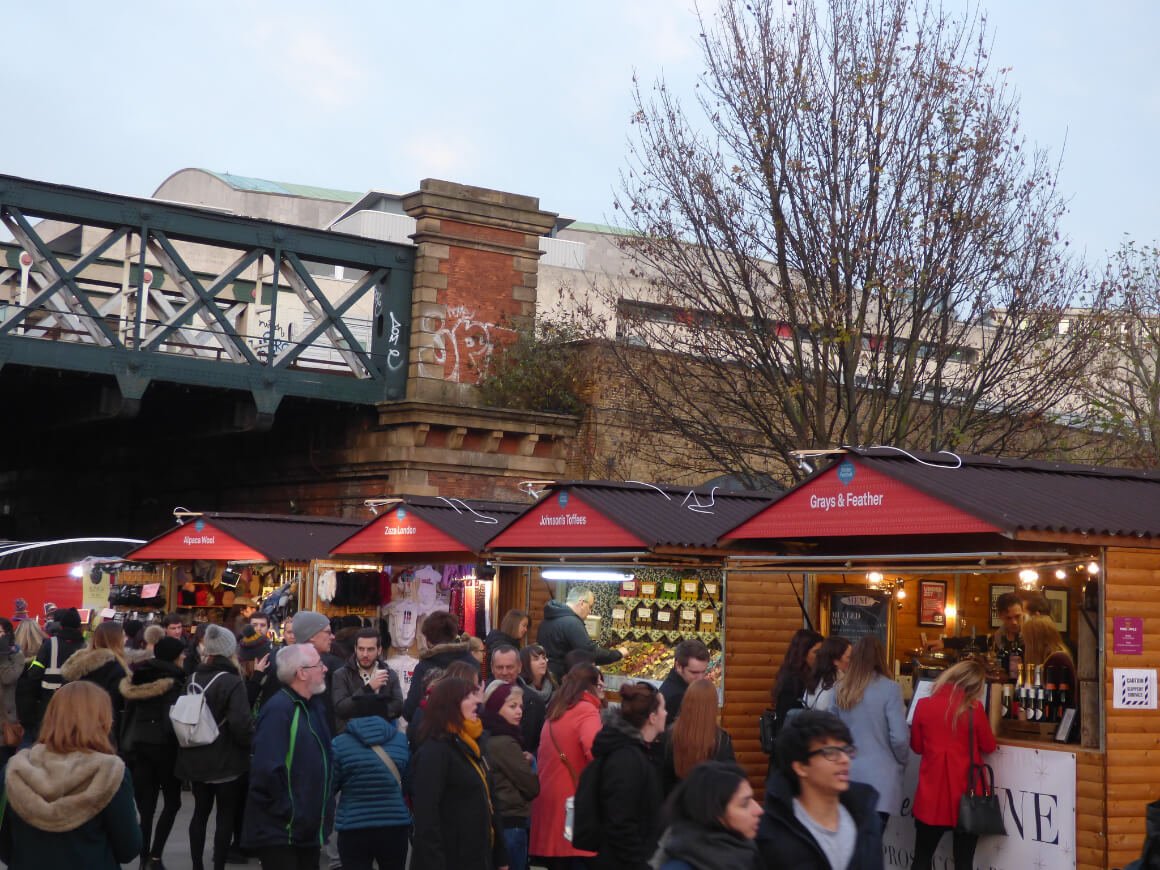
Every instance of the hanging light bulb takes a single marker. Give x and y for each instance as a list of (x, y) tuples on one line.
[(874, 577), (1028, 577), (901, 592), (1093, 568), (1060, 574)]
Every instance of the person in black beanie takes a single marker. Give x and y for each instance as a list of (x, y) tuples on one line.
[(42, 678), (149, 745)]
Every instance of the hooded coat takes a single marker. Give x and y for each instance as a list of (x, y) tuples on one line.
[(73, 810), (783, 841), (630, 794), (99, 666), (563, 631), (229, 755), (31, 696), (11, 667), (439, 656), (149, 692), (371, 796)]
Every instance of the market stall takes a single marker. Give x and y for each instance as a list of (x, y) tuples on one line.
[(213, 564), (426, 552), (646, 552), (919, 550), (36, 577)]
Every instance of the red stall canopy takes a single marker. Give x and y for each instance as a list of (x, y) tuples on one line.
[(431, 529), (230, 537)]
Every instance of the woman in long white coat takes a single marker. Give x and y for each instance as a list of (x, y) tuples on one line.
[(870, 703)]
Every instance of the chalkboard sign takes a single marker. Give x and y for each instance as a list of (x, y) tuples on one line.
[(855, 612)]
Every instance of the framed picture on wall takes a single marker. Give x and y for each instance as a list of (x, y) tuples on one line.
[(932, 602), (998, 589), (1059, 598)]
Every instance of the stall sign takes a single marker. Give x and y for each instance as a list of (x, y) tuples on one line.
[(400, 530), (852, 499), (199, 539), (1128, 635), (1036, 790), (562, 519), (1134, 689), (856, 614), (95, 594)]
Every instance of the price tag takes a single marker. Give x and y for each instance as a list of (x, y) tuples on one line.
[(150, 590), (670, 586), (664, 616), (618, 613), (708, 617), (643, 613), (690, 587), (648, 589), (688, 616), (711, 589)]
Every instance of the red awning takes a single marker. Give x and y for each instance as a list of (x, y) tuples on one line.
[(564, 521), (851, 498), (401, 531), (198, 539)]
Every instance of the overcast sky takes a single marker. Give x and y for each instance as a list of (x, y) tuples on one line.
[(531, 97)]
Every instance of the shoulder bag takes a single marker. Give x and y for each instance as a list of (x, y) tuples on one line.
[(192, 719), (979, 811), (389, 762), (570, 801)]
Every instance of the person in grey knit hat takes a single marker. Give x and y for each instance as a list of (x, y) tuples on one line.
[(313, 628), (218, 641)]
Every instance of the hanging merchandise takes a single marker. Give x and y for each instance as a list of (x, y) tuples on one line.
[(327, 586)]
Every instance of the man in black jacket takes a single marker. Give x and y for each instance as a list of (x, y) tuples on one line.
[(690, 663), (563, 631), (815, 818), (365, 686), (43, 677)]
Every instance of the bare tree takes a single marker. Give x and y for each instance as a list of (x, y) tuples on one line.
[(1124, 387), (845, 241)]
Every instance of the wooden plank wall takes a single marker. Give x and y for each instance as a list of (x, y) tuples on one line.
[(761, 615), (1091, 842), (1133, 737)]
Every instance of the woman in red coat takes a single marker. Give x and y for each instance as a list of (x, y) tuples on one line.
[(573, 722), (940, 734)]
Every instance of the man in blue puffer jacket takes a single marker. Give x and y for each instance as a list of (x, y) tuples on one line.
[(373, 821), (290, 805)]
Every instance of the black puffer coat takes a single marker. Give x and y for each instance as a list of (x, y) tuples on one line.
[(630, 794), (229, 755), (149, 692), (437, 657), (99, 666)]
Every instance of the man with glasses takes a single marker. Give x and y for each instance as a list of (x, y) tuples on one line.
[(289, 806), (690, 663), (563, 631), (814, 816)]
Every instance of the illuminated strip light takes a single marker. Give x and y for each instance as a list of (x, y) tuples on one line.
[(586, 576), (39, 544)]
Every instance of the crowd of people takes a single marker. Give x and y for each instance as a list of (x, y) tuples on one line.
[(316, 758)]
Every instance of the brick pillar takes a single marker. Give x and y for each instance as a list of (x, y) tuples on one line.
[(475, 282)]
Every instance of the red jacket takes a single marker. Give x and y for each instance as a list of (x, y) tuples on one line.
[(574, 731), (942, 776)]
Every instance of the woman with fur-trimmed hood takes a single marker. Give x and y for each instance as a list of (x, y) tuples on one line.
[(70, 798), (149, 745), (441, 631), (102, 662)]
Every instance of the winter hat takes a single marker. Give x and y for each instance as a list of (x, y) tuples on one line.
[(307, 623), (21, 609), (219, 642), (495, 695), (252, 645), (68, 618), (168, 649)]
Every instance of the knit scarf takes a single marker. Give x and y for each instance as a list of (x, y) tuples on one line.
[(469, 733)]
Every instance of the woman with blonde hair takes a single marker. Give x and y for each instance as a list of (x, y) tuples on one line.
[(70, 798), (695, 737), (950, 731), (103, 663), (870, 703), (29, 638)]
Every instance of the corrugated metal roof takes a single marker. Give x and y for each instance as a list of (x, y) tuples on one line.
[(1026, 496), (461, 518), (668, 516), (283, 538)]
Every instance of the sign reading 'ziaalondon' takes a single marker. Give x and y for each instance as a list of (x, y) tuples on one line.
[(854, 499), (401, 530), (563, 519)]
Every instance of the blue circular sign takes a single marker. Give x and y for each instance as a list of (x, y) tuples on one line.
[(401, 513), (562, 498), (846, 471), (199, 525)]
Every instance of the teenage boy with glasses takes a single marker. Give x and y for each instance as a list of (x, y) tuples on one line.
[(815, 818)]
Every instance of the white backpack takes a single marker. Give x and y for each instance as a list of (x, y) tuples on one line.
[(192, 719)]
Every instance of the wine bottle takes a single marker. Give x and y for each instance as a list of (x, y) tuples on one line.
[(1037, 704), (1008, 702), (1050, 701)]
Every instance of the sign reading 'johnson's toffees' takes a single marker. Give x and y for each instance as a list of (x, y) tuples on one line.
[(855, 499), (564, 519)]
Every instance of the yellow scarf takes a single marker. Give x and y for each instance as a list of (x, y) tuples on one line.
[(469, 733)]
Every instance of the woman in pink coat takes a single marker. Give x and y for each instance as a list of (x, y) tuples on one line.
[(940, 734), (573, 722)]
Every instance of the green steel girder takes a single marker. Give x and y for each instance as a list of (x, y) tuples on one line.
[(377, 373)]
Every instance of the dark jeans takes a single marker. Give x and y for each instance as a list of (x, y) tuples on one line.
[(926, 839), (289, 857), (152, 769), (386, 846), (227, 795), (516, 840)]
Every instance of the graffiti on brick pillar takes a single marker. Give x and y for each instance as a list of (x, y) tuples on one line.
[(462, 345)]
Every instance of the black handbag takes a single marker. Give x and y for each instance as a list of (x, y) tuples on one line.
[(979, 811), (767, 730)]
